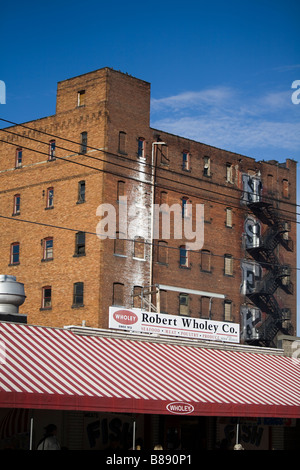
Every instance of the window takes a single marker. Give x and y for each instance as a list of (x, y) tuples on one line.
[(46, 297), (163, 301), (270, 184), (285, 188), (119, 244), (228, 265), (17, 204), (185, 160), (78, 294), (162, 252), (15, 253), (183, 304), (162, 154), (205, 260), (52, 150), (163, 197), (81, 98), (50, 198), (184, 207), (137, 297), (122, 142), (205, 306), (81, 192), (183, 256), (118, 294), (19, 155), (227, 310), (80, 244), (287, 229), (228, 217), (83, 142), (141, 147), (120, 190), (229, 173), (206, 166), (207, 213), (48, 249), (139, 248)]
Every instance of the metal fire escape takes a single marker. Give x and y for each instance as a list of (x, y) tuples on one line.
[(277, 275)]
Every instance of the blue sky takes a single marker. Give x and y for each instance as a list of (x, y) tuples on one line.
[(221, 72)]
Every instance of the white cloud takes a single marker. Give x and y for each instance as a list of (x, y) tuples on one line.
[(227, 118), (192, 99)]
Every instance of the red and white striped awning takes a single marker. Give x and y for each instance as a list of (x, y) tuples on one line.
[(48, 368)]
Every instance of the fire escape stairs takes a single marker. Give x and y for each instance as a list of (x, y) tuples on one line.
[(278, 276)]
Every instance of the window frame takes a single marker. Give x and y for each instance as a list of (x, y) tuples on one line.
[(227, 304), (141, 147), (206, 261), (206, 167), (285, 188), (19, 157), (162, 252), (48, 250), (45, 299), (136, 300), (13, 254), (83, 142), (229, 173), (115, 297), (17, 204), (229, 217), (122, 142), (228, 265), (139, 248), (50, 198), (78, 297), (184, 305), (186, 160), (81, 98), (81, 192), (183, 256), (52, 150), (119, 245), (121, 189), (80, 247)]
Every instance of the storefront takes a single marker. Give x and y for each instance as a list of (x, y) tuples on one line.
[(96, 385)]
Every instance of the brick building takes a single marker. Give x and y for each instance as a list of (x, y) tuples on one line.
[(65, 179)]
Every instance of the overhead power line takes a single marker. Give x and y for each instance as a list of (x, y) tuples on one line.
[(123, 157), (145, 242), (67, 159)]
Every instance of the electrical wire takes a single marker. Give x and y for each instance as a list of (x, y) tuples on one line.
[(144, 242), (123, 157), (138, 180), (115, 174)]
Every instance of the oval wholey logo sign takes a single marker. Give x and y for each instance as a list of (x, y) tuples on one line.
[(180, 408), (125, 317)]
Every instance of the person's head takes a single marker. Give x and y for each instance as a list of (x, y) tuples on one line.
[(50, 429)]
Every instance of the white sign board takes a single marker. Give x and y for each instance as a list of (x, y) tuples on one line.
[(164, 324)]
